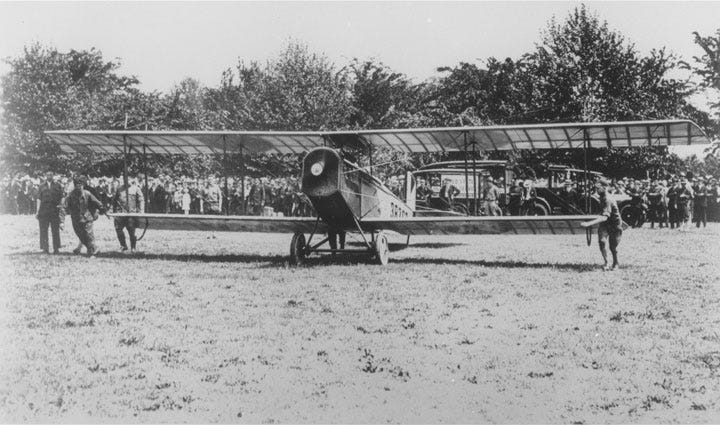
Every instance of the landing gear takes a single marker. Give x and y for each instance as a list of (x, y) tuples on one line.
[(377, 248), (382, 251), (588, 236), (298, 252)]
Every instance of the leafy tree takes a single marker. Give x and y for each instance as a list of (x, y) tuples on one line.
[(580, 71), (707, 67), (187, 108), (299, 90), (46, 89), (379, 95)]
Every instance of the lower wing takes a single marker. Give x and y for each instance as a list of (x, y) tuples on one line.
[(231, 223), (501, 225)]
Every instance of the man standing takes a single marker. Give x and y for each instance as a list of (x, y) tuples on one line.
[(448, 192), (128, 200), (713, 198), (685, 196), (609, 225), (423, 191), (701, 203), (212, 196), (569, 198), (49, 212), (257, 197), (84, 208), (160, 196), (673, 194), (491, 194), (516, 197), (657, 200)]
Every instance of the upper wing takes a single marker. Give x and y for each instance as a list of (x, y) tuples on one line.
[(514, 225), (186, 142), (536, 136), (227, 223), (502, 137)]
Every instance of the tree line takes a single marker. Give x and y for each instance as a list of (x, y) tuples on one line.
[(580, 70)]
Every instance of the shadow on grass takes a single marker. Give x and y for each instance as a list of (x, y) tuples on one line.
[(199, 258), (579, 267), (274, 261), (398, 246)]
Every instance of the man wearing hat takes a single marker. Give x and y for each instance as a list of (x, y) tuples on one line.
[(700, 202), (569, 198), (673, 196), (49, 212), (609, 225), (448, 192), (515, 194), (657, 197), (713, 198), (128, 200), (84, 209), (685, 197), (491, 195)]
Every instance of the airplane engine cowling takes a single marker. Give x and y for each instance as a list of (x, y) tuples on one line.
[(321, 173), (322, 181)]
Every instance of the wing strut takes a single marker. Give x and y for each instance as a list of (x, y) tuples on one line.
[(125, 169), (242, 180), (467, 183), (476, 191), (144, 171), (586, 190), (226, 204)]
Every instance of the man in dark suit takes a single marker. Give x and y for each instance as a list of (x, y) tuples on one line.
[(448, 192), (84, 209), (49, 212)]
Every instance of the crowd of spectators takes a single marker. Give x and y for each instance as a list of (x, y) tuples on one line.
[(667, 200), (175, 194), (674, 200)]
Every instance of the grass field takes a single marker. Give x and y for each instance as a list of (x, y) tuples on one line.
[(216, 327)]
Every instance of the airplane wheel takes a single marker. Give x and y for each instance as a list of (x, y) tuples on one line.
[(382, 251), (297, 249)]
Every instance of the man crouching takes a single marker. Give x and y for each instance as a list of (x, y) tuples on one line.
[(84, 208), (609, 225)]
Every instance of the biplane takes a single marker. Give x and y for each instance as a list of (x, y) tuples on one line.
[(349, 198)]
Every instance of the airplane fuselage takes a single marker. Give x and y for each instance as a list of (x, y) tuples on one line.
[(342, 193)]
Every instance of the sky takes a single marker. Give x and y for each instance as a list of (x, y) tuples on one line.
[(162, 43)]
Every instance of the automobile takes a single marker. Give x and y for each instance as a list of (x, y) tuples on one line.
[(468, 201), (540, 196)]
